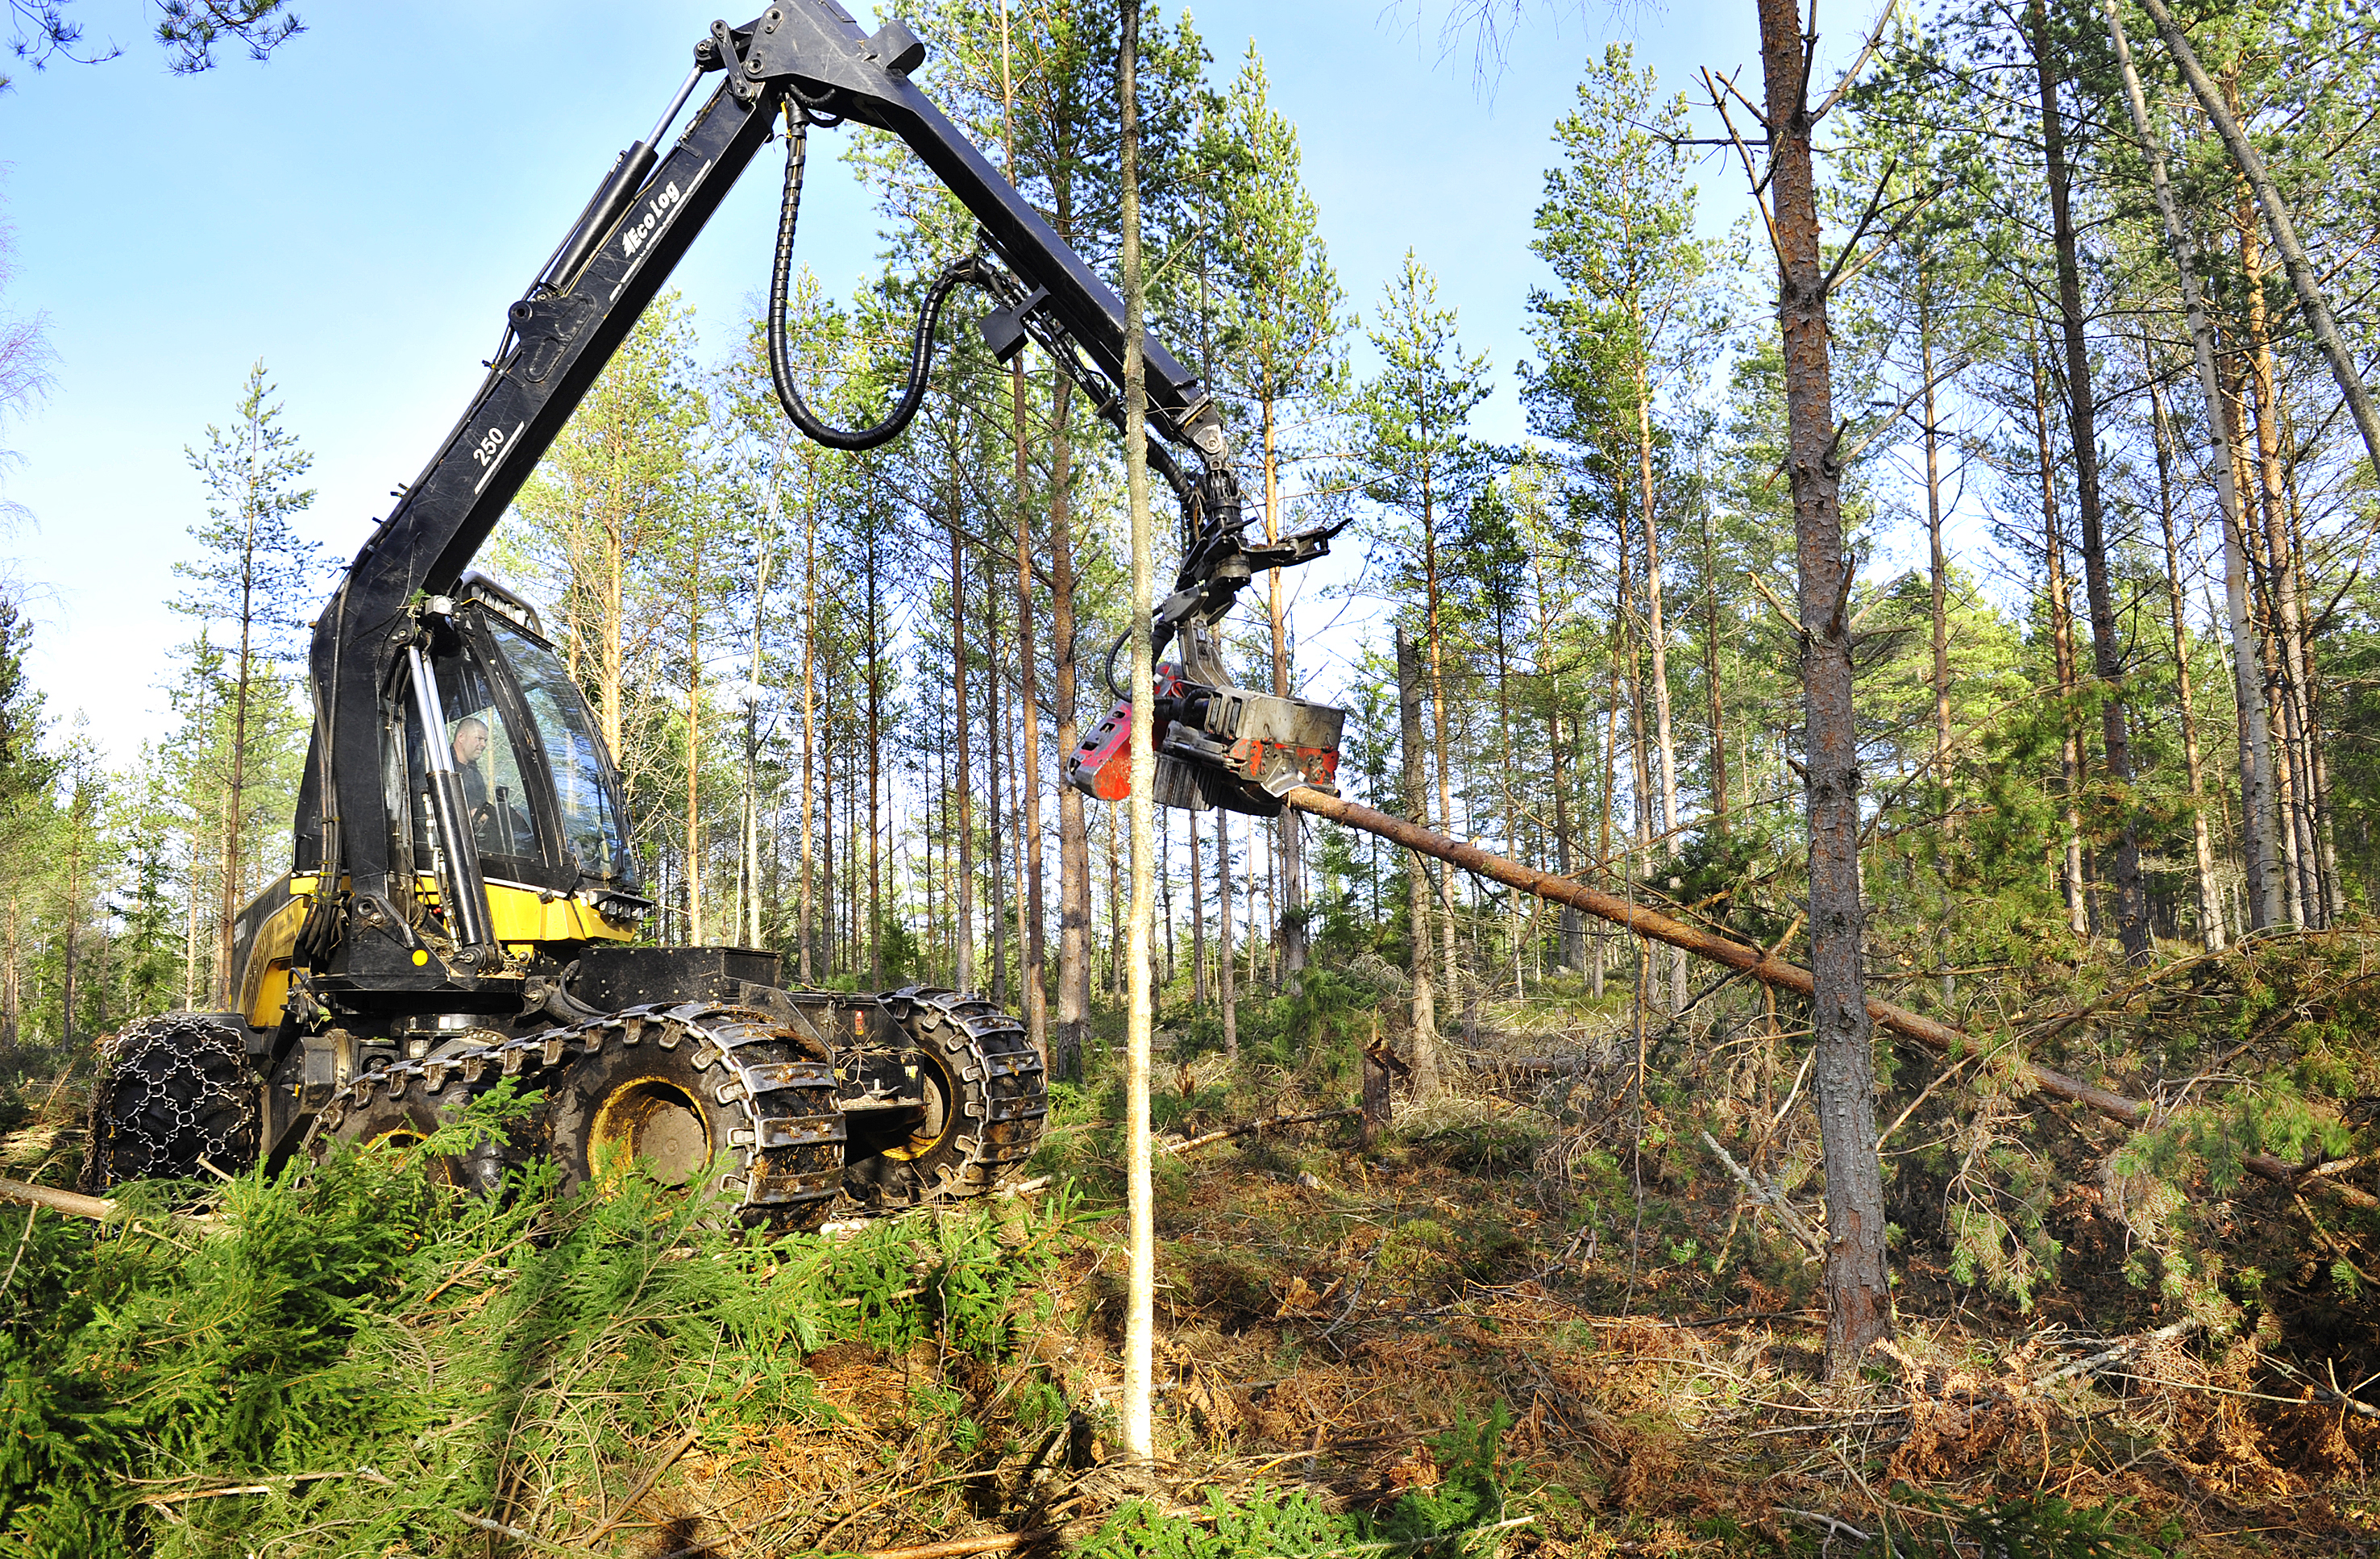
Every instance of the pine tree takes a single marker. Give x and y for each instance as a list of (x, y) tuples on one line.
[(1617, 228), (1416, 461), (1282, 323), (259, 578)]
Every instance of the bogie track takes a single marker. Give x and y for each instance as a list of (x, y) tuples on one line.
[(676, 1086), (986, 1097)]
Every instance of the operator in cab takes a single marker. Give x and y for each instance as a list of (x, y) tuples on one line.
[(496, 825)]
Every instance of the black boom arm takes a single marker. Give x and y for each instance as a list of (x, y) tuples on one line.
[(801, 62)]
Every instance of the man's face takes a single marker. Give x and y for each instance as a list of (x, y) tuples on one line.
[(470, 740)]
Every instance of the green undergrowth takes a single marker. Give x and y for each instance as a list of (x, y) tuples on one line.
[(1462, 1516), (383, 1356)]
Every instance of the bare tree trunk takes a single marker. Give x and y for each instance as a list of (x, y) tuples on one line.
[(1940, 569), (2318, 812), (1073, 844), (1710, 667), (1603, 840), (1141, 1290), (2255, 757), (1858, 1287), (1165, 890), (1425, 1002), (995, 730), (806, 913), (1255, 943), (1657, 636), (1438, 716), (611, 648), (1028, 775), (236, 790), (2210, 908), (748, 928), (2106, 652), (1025, 786), (1571, 936), (962, 933), (2285, 609), (2061, 640), (1197, 918), (1115, 911), (1939, 573), (694, 751), (875, 771), (830, 912), (1291, 933), (1227, 984), (73, 907)]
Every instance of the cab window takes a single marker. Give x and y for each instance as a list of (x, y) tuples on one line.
[(591, 825)]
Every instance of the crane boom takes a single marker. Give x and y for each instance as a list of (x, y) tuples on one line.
[(801, 63)]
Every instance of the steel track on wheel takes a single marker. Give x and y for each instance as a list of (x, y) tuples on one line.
[(789, 1147), (1002, 1071)]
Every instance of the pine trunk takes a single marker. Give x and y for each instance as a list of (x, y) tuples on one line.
[(963, 785), (2062, 641), (1425, 1003), (2106, 652), (1858, 1287), (2210, 908), (1227, 987), (1073, 844)]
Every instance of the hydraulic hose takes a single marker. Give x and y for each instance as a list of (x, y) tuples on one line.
[(781, 367)]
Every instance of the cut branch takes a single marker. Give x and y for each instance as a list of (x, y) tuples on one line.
[(97, 1208), (1267, 1124)]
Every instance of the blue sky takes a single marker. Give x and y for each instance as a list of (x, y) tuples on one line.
[(359, 211)]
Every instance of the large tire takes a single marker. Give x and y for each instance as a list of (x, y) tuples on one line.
[(173, 1090), (401, 1108), (672, 1090), (986, 1097)]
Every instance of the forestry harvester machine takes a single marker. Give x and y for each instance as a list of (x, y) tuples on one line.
[(466, 906)]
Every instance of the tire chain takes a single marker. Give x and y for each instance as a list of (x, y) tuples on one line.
[(789, 1159), (1004, 1065), (173, 1093)]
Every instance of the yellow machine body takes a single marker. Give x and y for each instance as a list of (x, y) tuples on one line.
[(524, 918)]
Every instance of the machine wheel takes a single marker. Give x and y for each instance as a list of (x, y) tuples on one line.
[(986, 1097), (401, 1108), (674, 1088), (172, 1090)]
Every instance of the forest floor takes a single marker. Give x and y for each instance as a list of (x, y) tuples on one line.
[(1538, 1317)]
